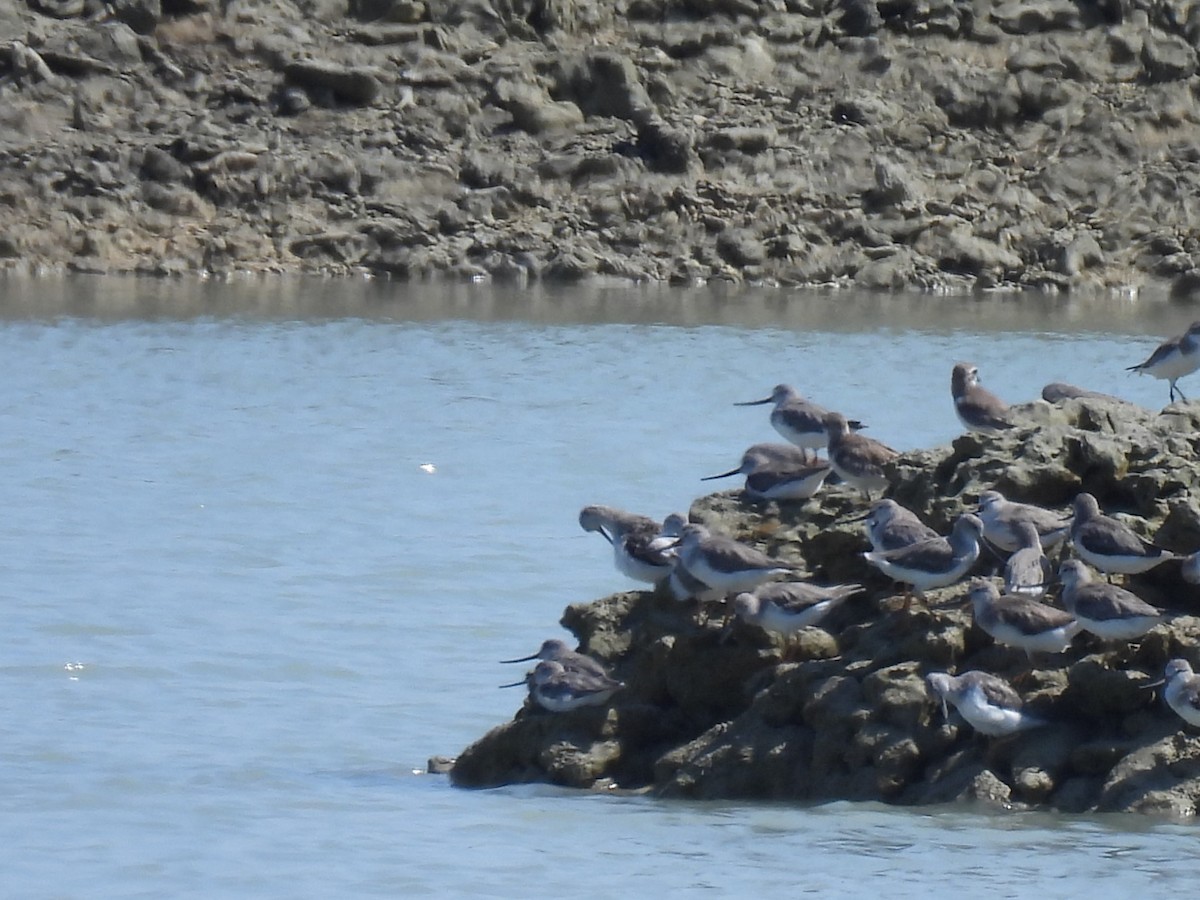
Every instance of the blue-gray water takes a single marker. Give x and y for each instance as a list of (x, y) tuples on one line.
[(263, 544)]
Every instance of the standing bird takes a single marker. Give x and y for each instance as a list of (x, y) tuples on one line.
[(1000, 518), (1174, 358), (1107, 545), (785, 607), (640, 550), (978, 409), (571, 660), (857, 459), (1183, 690), (1027, 570), (1107, 611), (890, 526), (986, 701), (800, 421), (724, 564), (556, 689), (934, 563), (1021, 622), (774, 475)]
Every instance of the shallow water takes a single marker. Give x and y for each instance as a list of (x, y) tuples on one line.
[(264, 543)]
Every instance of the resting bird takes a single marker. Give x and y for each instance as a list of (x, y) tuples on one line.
[(1028, 570), (934, 563), (1105, 544), (987, 702), (857, 459), (890, 526), (785, 607), (1000, 518), (977, 408), (640, 549), (557, 689), (800, 421), (724, 564), (571, 660), (1105, 610), (1021, 622)]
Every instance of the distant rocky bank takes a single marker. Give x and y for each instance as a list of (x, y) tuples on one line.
[(939, 145), (842, 711)]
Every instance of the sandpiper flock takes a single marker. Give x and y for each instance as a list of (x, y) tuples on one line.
[(1024, 600)]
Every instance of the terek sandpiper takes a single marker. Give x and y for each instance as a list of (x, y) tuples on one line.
[(561, 653), (772, 475), (1021, 622), (1174, 358), (934, 563), (799, 420), (724, 564), (1183, 690), (1105, 544), (785, 607), (558, 689), (1028, 571), (639, 548), (1107, 611), (987, 702), (1000, 517), (890, 526)]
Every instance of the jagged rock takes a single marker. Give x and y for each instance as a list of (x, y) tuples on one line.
[(842, 711)]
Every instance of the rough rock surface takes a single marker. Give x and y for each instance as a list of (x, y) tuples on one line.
[(841, 711), (941, 144)]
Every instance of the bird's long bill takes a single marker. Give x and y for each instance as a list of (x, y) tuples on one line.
[(722, 475), (520, 683), (754, 402), (1154, 684), (521, 659)]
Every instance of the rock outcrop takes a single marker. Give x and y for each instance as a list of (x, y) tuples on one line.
[(842, 712), (939, 145)]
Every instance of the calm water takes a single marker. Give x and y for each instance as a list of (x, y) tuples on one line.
[(263, 544)]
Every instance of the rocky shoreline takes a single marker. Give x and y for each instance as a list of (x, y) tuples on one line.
[(842, 711), (950, 146)]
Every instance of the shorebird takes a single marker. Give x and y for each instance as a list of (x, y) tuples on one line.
[(774, 475), (890, 526), (857, 459), (724, 564), (785, 607), (1183, 690), (1105, 610), (1174, 358), (978, 409), (640, 550), (800, 421), (988, 703), (1058, 391), (1190, 570), (1022, 622), (934, 563), (1027, 570), (558, 689), (561, 653), (686, 586), (1107, 545), (1000, 518)]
